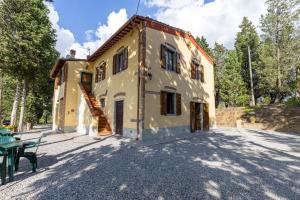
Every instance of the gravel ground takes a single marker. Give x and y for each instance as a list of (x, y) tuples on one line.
[(222, 164)]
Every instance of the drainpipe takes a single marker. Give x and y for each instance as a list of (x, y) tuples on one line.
[(141, 79)]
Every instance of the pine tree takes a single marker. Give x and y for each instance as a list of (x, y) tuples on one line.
[(204, 44), (278, 26), (27, 42), (247, 38), (219, 53), (232, 87)]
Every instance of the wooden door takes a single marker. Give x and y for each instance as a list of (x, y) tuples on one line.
[(86, 80), (205, 116), (119, 112), (198, 116), (192, 118)]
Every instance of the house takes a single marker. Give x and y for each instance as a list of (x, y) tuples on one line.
[(147, 80)]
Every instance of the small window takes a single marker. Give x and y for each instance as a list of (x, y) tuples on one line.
[(120, 61), (102, 102), (170, 60), (197, 71), (100, 72), (171, 103)]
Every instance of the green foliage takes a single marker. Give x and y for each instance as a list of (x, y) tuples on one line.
[(279, 28), (219, 53), (10, 127), (204, 44), (266, 100), (27, 52), (248, 37), (232, 87), (9, 86), (293, 101)]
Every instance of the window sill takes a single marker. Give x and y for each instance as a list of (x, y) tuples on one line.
[(170, 115)]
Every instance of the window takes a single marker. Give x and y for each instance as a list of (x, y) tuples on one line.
[(202, 73), (100, 72), (102, 102), (170, 58), (170, 103), (120, 60), (197, 66), (197, 71), (170, 64)]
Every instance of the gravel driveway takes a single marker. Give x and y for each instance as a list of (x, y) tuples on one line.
[(222, 164)]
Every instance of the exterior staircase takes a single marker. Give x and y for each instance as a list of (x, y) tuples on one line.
[(104, 128)]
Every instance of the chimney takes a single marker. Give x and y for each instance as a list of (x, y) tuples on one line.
[(72, 53)]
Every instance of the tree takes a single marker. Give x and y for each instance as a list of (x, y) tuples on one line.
[(247, 43), (219, 53), (204, 44), (232, 87), (278, 27), (27, 43)]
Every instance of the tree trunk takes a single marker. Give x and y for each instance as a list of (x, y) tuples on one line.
[(298, 82), (23, 106), (29, 126), (278, 68), (1, 93), (13, 116), (251, 78)]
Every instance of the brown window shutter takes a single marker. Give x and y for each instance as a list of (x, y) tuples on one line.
[(205, 116), (104, 71), (177, 62), (178, 104), (193, 70), (163, 103), (97, 75), (202, 73), (163, 56), (192, 113), (125, 63), (114, 63)]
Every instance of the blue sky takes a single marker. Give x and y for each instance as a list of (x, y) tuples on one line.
[(93, 12), (83, 25)]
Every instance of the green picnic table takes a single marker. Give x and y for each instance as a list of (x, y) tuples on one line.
[(8, 149)]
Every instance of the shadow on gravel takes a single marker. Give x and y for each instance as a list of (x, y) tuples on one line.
[(207, 166)]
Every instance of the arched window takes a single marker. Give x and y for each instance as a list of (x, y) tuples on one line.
[(100, 72)]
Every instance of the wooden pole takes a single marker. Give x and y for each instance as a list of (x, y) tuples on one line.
[(251, 78)]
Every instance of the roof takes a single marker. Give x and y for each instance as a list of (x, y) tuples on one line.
[(60, 63), (134, 21), (151, 23)]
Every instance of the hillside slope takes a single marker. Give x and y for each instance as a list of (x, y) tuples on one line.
[(273, 117)]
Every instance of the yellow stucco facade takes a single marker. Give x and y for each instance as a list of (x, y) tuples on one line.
[(139, 92), (120, 86), (190, 89)]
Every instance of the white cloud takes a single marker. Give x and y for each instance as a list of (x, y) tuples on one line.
[(65, 38), (114, 22), (94, 38), (217, 20)]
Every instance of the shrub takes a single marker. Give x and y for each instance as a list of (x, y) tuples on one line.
[(266, 100), (293, 101), (10, 127)]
